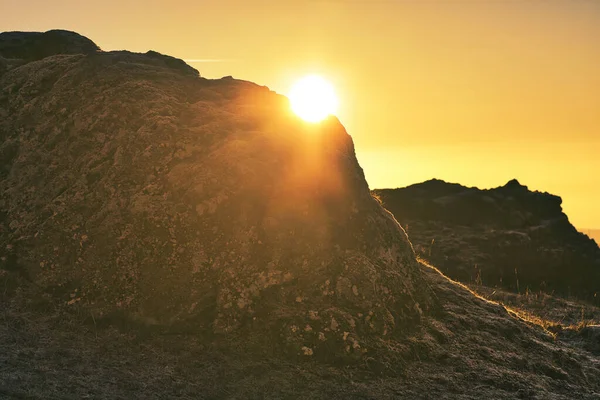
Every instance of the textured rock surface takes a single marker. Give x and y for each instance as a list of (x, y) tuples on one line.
[(131, 187), (508, 236), (17, 48)]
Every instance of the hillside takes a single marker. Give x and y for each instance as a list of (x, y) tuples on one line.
[(163, 235), (509, 237)]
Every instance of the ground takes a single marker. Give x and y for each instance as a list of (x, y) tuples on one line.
[(62, 356)]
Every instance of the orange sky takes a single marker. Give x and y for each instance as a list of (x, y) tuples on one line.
[(470, 91)]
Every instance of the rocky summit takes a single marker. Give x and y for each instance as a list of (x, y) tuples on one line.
[(18, 48), (508, 236), (163, 235)]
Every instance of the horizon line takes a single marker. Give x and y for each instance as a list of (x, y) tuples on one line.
[(205, 60)]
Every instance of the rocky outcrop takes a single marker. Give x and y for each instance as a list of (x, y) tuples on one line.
[(21, 47), (508, 236), (18, 48), (132, 188)]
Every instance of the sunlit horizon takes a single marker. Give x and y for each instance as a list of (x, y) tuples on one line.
[(476, 93)]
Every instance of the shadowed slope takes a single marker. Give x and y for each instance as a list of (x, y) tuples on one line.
[(508, 236)]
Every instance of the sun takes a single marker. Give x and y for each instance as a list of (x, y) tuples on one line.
[(313, 98)]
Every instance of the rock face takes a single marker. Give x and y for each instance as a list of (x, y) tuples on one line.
[(133, 188), (17, 48), (508, 236)]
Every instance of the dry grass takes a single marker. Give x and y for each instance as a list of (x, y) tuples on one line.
[(424, 262), (377, 197), (554, 310)]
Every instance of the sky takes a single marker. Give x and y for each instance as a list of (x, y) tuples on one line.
[(470, 91)]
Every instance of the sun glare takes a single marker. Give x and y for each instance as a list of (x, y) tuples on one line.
[(313, 98)]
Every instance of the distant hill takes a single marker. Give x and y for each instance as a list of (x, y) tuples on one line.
[(508, 236), (592, 233)]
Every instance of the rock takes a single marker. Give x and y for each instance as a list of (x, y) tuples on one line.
[(18, 48), (31, 46), (138, 190), (508, 236)]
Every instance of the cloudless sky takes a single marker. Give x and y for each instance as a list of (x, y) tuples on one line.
[(470, 91)]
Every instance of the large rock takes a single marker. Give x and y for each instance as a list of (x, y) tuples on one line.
[(132, 188)]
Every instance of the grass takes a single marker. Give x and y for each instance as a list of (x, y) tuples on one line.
[(566, 312), (552, 314)]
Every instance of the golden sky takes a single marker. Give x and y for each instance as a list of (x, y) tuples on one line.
[(470, 91)]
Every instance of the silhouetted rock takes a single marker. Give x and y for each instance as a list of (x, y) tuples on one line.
[(507, 236), (593, 234), (18, 48), (31, 46), (173, 62)]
